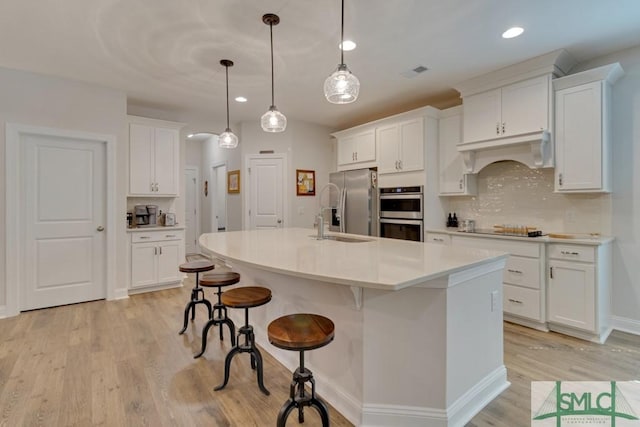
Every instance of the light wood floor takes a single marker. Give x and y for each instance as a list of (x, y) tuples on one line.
[(122, 363)]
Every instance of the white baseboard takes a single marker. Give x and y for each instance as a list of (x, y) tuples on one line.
[(120, 294), (3, 311), (458, 414), (624, 324), (153, 288)]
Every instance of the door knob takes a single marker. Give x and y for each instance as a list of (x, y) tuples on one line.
[(100, 228), (279, 221)]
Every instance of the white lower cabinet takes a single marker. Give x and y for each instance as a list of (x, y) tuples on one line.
[(523, 278), (579, 290), (155, 257)]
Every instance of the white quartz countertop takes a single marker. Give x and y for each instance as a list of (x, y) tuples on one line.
[(379, 263), (578, 240)]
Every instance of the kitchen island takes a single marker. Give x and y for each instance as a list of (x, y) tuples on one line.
[(418, 338)]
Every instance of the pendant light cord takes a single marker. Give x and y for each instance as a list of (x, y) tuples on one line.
[(226, 69), (342, 36), (272, 90)]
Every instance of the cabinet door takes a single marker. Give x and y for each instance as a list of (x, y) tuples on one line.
[(579, 138), (525, 106), (482, 117), (166, 161), (168, 261), (388, 139), (141, 166), (143, 264), (366, 146), (411, 148), (450, 160), (571, 294), (346, 150)]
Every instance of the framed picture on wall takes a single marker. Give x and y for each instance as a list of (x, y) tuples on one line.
[(305, 182), (233, 181)]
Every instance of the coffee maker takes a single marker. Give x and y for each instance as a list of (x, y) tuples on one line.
[(145, 215)]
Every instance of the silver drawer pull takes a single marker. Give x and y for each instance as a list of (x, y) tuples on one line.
[(569, 253), (169, 235), (515, 301), (438, 240), (514, 271), (145, 237)]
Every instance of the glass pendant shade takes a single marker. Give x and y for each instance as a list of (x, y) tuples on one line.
[(227, 139), (341, 87), (273, 120)]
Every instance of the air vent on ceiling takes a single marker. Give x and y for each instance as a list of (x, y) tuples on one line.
[(414, 72)]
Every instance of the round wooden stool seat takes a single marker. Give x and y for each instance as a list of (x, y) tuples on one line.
[(196, 266), (246, 297), (219, 279), (301, 331)]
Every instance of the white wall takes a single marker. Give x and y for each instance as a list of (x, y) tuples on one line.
[(308, 146), (34, 99)]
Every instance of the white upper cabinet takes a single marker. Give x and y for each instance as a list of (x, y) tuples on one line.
[(357, 148), (583, 152), (513, 110), (401, 146), (154, 153), (452, 179)]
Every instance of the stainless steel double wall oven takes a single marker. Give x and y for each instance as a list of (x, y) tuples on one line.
[(401, 213)]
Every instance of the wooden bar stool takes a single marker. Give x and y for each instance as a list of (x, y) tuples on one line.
[(301, 332), (197, 293), (245, 297), (219, 317)]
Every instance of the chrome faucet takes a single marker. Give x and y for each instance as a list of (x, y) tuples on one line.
[(321, 208)]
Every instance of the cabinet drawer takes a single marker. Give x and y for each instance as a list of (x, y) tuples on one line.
[(521, 302), (522, 271), (514, 247), (572, 252), (156, 236), (439, 238)]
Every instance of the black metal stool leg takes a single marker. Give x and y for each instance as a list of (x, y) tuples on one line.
[(284, 412), (205, 331), (227, 367), (186, 317)]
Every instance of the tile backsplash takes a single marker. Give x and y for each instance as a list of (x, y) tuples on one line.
[(511, 193)]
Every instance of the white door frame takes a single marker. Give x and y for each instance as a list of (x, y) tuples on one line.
[(214, 192), (197, 172), (14, 245), (285, 185)]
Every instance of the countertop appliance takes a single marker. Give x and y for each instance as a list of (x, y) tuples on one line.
[(358, 202), (145, 215), (402, 213)]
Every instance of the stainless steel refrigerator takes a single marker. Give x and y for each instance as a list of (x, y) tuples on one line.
[(357, 200)]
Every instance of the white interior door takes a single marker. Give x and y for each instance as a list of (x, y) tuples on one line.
[(191, 222), (266, 193), (64, 217)]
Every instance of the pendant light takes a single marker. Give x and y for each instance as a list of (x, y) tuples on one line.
[(273, 120), (227, 139), (342, 86)]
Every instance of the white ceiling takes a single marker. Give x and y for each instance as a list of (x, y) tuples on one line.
[(165, 53)]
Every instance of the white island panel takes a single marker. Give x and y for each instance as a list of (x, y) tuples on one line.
[(425, 347)]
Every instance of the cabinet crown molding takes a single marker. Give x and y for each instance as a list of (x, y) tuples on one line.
[(610, 73), (556, 63), (155, 122)]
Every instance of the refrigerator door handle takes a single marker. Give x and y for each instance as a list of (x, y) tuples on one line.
[(343, 200)]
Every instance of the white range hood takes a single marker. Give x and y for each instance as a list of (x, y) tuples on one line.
[(532, 149)]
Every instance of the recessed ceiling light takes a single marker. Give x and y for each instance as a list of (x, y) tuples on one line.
[(241, 99), (348, 45), (191, 135), (512, 32)]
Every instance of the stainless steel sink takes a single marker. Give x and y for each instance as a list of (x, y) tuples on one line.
[(343, 239)]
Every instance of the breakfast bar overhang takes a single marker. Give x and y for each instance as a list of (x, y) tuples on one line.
[(418, 327)]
